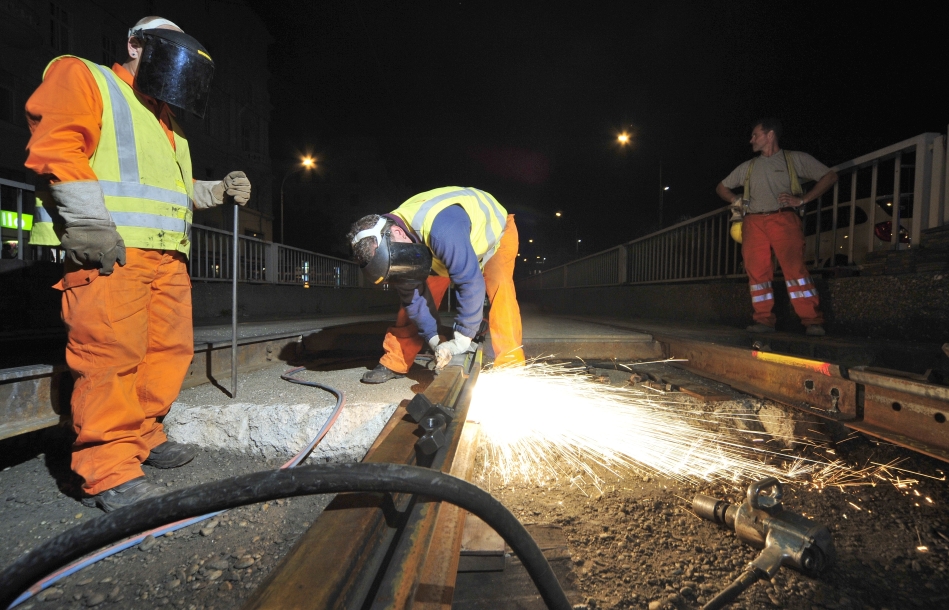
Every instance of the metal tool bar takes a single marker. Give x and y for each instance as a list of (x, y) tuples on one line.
[(367, 550), (234, 306)]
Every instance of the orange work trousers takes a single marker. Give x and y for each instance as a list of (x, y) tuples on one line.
[(781, 232), (402, 342), (130, 343)]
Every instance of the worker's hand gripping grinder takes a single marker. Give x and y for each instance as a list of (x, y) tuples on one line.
[(787, 538)]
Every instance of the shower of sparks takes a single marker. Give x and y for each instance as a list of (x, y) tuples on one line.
[(542, 420)]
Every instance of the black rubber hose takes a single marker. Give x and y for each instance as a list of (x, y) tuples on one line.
[(271, 485), (732, 591)]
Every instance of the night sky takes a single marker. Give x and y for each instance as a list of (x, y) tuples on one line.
[(525, 99)]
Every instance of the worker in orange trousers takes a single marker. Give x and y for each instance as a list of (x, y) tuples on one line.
[(116, 195), (464, 237)]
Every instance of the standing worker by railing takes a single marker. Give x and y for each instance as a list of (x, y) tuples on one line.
[(771, 197), (119, 203)]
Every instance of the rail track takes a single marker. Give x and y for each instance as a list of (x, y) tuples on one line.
[(382, 551)]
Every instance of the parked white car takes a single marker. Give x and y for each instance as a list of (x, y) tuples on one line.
[(829, 255)]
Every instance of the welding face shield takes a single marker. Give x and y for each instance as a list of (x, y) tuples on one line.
[(174, 68), (394, 262)]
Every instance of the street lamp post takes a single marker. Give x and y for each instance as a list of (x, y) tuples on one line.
[(662, 193), (306, 163), (576, 235)]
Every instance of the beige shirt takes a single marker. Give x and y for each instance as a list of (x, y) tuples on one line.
[(769, 178)]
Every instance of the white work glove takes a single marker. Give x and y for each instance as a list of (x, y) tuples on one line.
[(234, 188), (446, 349)]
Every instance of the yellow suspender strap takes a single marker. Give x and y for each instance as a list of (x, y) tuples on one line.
[(795, 183), (792, 174), (747, 195)]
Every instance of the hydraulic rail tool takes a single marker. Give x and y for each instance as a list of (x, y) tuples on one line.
[(786, 538)]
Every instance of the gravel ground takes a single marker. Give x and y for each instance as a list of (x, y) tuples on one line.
[(213, 564), (634, 542)]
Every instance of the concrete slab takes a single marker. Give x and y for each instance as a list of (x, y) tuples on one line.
[(564, 337), (541, 327), (543, 336), (218, 333), (276, 418)]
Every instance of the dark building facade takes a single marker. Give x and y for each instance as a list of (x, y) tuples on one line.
[(233, 135)]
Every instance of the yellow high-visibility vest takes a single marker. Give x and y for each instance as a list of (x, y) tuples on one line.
[(146, 182), (488, 218)]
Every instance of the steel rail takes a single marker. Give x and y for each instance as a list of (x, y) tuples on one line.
[(37, 396), (899, 410), (379, 551)]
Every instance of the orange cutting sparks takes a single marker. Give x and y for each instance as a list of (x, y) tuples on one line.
[(543, 420)]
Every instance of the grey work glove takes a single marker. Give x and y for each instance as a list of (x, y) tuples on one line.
[(92, 244), (446, 349), (234, 188)]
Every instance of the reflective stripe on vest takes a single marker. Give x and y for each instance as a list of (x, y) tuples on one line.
[(145, 181), (488, 219)]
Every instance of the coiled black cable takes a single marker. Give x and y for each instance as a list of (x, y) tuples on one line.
[(271, 485)]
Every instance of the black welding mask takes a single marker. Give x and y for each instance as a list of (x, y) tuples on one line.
[(394, 262), (174, 68)]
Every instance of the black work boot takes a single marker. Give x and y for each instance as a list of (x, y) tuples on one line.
[(170, 455), (123, 495), (381, 374)]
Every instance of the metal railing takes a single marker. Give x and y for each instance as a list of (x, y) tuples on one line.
[(265, 262), (16, 220), (701, 248), (928, 205), (211, 259)]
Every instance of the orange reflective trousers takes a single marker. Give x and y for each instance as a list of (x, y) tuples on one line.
[(402, 342), (129, 347), (783, 233)]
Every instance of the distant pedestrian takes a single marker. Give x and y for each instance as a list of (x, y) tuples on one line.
[(769, 202)]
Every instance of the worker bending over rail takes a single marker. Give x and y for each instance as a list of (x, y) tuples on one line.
[(447, 235), (119, 202), (769, 203)]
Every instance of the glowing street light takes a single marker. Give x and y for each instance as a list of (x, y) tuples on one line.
[(623, 138), (306, 163)]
